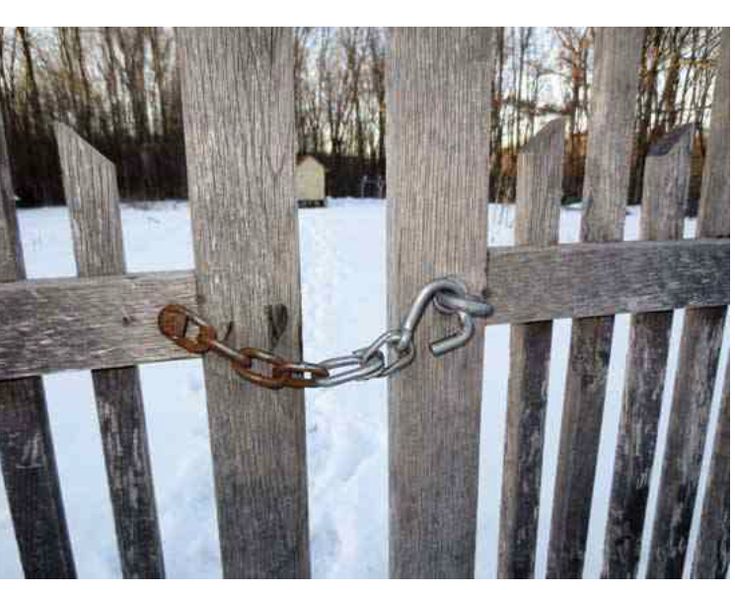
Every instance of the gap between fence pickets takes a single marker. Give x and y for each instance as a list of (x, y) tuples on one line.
[(49, 325)]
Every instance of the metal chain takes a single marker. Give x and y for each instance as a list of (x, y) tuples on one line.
[(390, 352)]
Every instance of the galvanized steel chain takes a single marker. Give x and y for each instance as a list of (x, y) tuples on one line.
[(390, 352)]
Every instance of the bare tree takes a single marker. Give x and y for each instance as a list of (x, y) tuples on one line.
[(132, 47), (575, 46), (352, 40), (301, 39), (376, 50), (496, 118), (160, 45)]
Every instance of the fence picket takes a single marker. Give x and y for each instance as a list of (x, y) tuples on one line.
[(617, 56), (712, 552), (538, 204), (665, 189), (438, 96), (90, 187), (698, 355), (237, 90), (26, 447)]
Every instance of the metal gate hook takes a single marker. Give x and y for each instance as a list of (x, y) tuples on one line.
[(420, 302), (456, 340)]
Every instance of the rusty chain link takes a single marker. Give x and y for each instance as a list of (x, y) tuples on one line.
[(390, 352)]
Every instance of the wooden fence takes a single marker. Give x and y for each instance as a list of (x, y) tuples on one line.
[(240, 161)]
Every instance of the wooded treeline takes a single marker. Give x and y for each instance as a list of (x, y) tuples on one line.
[(119, 88), (541, 72)]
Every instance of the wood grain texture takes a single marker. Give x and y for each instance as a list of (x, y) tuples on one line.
[(698, 355), (12, 266), (240, 160), (528, 283), (26, 448), (693, 388), (712, 552), (538, 204), (49, 325), (610, 142), (665, 189), (90, 187), (438, 103), (713, 220)]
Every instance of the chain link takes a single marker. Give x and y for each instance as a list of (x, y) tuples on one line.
[(390, 352)]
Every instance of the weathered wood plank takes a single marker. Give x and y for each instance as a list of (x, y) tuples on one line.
[(538, 204), (665, 188), (90, 187), (49, 325), (610, 142), (438, 101), (713, 220), (240, 162), (26, 448), (698, 355), (12, 266), (712, 552), (528, 284), (693, 388)]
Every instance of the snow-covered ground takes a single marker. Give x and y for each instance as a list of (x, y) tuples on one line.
[(343, 286)]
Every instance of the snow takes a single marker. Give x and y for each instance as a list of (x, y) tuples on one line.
[(343, 287)]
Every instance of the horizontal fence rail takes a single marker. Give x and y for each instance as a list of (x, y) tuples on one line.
[(49, 325), (88, 323), (528, 284)]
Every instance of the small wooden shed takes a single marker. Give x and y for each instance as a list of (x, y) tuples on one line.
[(310, 174)]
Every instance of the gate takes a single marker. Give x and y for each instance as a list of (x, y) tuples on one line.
[(237, 90)]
